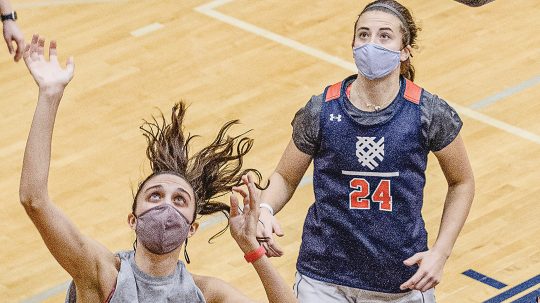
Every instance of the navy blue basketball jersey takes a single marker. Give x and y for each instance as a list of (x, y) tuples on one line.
[(368, 183)]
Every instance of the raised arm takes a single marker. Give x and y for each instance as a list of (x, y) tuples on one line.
[(283, 182), (243, 229), (77, 254), (458, 172)]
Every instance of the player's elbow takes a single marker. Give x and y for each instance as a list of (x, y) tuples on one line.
[(465, 185), (30, 200)]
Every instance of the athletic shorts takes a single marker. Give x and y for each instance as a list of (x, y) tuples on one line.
[(308, 290)]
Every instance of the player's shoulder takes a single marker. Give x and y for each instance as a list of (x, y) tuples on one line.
[(334, 91), (418, 94), (412, 91), (436, 109), (217, 290), (430, 100)]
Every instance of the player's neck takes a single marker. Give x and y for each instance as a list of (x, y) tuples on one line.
[(366, 94), (156, 265)]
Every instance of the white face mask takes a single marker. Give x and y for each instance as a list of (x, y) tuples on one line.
[(374, 61)]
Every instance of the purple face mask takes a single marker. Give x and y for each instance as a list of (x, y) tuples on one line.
[(162, 229), (374, 61)]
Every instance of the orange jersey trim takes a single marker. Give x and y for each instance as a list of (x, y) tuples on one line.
[(333, 92), (412, 92)]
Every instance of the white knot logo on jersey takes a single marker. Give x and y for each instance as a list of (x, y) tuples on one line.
[(369, 151)]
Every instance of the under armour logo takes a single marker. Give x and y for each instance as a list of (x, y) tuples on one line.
[(369, 151), (332, 117)]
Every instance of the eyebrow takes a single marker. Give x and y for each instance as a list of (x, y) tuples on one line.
[(380, 29), (159, 186)]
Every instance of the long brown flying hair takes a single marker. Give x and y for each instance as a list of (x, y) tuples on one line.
[(212, 171)]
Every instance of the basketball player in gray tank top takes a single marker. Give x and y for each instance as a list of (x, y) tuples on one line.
[(163, 211)]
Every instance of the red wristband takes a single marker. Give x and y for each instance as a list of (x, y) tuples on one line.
[(255, 255)]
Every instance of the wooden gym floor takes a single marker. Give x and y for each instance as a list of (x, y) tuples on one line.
[(260, 61)]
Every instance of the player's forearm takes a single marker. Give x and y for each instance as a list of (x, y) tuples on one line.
[(289, 172), (279, 192), (456, 209), (277, 290), (37, 155)]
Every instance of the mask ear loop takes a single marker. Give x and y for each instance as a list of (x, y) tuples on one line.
[(186, 256), (135, 242), (410, 52)]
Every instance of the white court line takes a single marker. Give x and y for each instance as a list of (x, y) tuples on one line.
[(207, 9), (146, 29), (509, 128), (63, 2)]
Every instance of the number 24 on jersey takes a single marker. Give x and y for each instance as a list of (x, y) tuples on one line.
[(358, 198)]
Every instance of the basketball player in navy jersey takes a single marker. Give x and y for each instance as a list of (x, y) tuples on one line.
[(369, 136)]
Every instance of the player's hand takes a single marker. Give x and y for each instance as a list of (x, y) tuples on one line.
[(268, 225), (243, 223), (429, 273), (48, 74), (12, 33)]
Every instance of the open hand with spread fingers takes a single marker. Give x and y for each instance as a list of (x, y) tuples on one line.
[(48, 74), (243, 222)]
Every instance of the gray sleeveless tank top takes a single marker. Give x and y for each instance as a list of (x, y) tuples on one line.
[(133, 285)]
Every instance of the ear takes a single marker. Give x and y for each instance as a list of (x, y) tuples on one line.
[(132, 221), (405, 53), (193, 228)]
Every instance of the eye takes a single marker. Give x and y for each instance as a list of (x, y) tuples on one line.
[(363, 35), (179, 200), (385, 36), (155, 196)]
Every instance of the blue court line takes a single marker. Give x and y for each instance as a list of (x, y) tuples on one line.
[(529, 298), (514, 290), (484, 279), (306, 179), (506, 93)]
